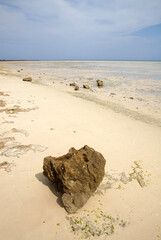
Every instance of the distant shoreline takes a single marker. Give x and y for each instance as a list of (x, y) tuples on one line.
[(81, 60), (17, 60)]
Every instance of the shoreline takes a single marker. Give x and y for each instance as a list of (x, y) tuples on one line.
[(53, 121), (81, 60), (130, 109)]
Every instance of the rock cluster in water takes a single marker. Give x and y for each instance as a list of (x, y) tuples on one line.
[(76, 175)]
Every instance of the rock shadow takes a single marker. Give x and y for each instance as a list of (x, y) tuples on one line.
[(41, 178)]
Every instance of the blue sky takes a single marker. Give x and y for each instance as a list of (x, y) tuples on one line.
[(80, 29)]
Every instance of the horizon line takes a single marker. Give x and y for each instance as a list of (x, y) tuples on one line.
[(143, 60)]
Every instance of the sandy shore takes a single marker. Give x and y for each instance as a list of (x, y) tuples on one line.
[(132, 88), (44, 121)]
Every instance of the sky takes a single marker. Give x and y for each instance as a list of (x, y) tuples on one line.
[(80, 29)]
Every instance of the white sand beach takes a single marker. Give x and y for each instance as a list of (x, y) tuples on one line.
[(47, 120)]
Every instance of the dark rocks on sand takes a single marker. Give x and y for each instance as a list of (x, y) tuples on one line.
[(86, 86), (76, 175), (27, 79), (76, 88), (99, 83), (73, 84)]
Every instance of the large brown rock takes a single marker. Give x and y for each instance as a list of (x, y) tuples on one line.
[(76, 175)]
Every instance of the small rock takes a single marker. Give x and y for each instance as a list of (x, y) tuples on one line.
[(76, 175), (73, 84), (131, 98), (99, 83), (2, 103), (140, 181), (112, 94), (18, 70), (124, 178), (86, 86), (2, 145), (3, 164), (27, 79), (76, 88)]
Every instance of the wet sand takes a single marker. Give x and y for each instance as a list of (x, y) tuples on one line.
[(38, 120), (128, 85)]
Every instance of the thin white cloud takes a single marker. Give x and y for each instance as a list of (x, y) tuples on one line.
[(76, 23), (110, 16)]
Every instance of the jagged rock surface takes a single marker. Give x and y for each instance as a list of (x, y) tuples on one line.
[(76, 175)]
